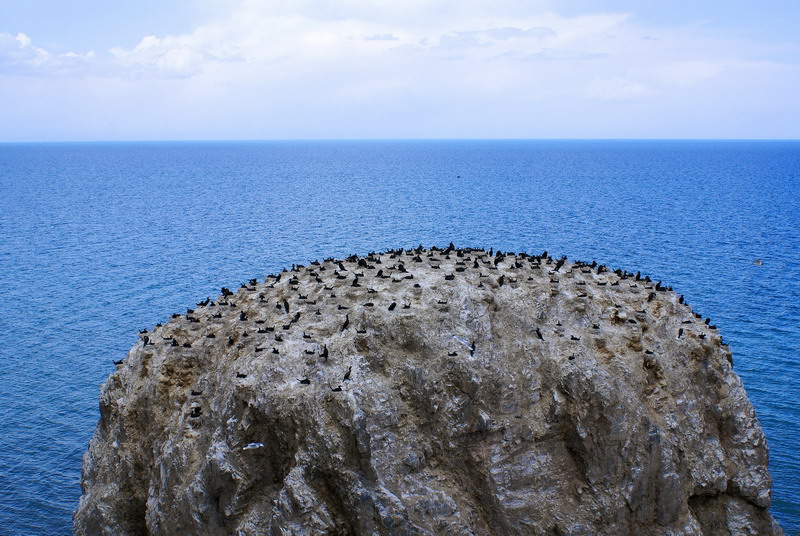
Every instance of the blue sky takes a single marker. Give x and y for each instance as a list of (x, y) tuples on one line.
[(268, 69)]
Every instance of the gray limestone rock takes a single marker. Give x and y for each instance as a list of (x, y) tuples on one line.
[(430, 392)]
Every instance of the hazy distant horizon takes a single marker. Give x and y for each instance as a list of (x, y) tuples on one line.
[(289, 140)]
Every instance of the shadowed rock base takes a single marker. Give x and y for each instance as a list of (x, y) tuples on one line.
[(442, 391)]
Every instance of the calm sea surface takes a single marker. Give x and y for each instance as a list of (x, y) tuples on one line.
[(98, 240)]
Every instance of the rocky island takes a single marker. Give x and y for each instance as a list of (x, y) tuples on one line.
[(430, 391)]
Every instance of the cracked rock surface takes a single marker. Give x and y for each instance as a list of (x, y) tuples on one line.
[(441, 391)]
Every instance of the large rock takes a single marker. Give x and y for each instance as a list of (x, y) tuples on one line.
[(430, 392)]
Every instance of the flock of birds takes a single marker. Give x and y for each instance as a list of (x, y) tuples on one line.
[(282, 314)]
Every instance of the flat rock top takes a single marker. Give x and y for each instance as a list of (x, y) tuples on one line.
[(446, 391)]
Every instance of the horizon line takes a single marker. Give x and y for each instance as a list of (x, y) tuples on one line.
[(273, 140)]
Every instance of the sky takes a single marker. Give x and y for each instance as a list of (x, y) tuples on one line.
[(91, 70)]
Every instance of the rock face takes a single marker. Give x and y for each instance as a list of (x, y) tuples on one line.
[(430, 392)]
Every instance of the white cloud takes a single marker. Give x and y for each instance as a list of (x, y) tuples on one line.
[(617, 89), (430, 64), (18, 55)]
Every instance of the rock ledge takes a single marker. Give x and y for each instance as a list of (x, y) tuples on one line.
[(441, 391)]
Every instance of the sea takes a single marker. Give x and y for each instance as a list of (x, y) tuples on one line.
[(99, 240)]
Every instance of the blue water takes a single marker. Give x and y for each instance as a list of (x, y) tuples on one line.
[(98, 240)]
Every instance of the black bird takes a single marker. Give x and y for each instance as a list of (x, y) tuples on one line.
[(501, 280), (146, 339), (242, 316), (392, 306), (346, 322), (539, 334), (306, 336), (196, 412), (142, 331), (559, 264), (286, 306), (240, 375), (275, 350), (337, 390), (472, 348), (650, 297), (680, 333), (174, 343), (118, 362), (449, 277), (361, 331), (305, 381), (196, 393), (278, 338), (226, 292), (574, 338), (452, 354), (347, 374), (407, 306), (680, 300), (341, 307), (325, 353), (296, 316)]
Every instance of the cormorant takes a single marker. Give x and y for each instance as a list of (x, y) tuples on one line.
[(347, 374), (346, 322)]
